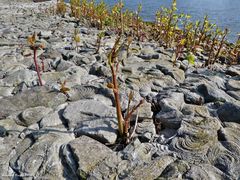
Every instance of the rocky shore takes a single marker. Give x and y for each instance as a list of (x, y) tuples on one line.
[(189, 126)]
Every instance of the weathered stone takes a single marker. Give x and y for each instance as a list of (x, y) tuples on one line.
[(145, 111), (152, 170), (6, 91), (92, 118), (230, 133), (33, 115), (194, 110), (146, 129), (205, 171), (40, 159), (233, 85), (82, 92), (229, 112), (193, 98), (64, 65), (102, 129), (99, 70), (40, 96), (165, 81), (234, 94), (168, 69), (169, 119), (45, 34), (233, 71), (212, 94), (54, 118), (7, 151), (174, 170), (17, 77), (29, 52), (87, 110), (83, 154)]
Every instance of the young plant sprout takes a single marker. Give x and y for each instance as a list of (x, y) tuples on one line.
[(76, 38), (123, 122), (224, 34), (99, 39), (211, 51), (35, 45), (179, 50), (64, 89), (61, 7)]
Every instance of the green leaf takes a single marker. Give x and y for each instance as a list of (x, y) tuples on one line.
[(191, 58)]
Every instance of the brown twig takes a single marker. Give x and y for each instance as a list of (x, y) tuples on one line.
[(36, 65)]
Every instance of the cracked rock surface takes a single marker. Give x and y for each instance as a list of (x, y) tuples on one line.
[(189, 126)]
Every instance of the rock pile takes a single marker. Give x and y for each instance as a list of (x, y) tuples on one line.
[(189, 128)]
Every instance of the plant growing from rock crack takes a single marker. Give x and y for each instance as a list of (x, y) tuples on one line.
[(75, 8), (235, 52), (76, 38), (63, 88), (34, 45), (224, 34), (123, 122), (138, 21), (61, 7), (99, 39), (101, 14), (165, 30), (129, 42), (179, 49), (211, 51)]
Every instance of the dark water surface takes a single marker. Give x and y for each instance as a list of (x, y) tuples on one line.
[(225, 13)]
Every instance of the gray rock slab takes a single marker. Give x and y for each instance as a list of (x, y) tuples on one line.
[(229, 112), (33, 115), (92, 118), (87, 154)]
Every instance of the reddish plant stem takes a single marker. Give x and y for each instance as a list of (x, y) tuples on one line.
[(128, 116), (117, 101), (36, 66), (220, 46)]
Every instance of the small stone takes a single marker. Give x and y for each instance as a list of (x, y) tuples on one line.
[(3, 131), (104, 130), (45, 34), (145, 111), (229, 112), (33, 115), (233, 71), (146, 129), (234, 94), (170, 119), (233, 85), (88, 154), (184, 64)]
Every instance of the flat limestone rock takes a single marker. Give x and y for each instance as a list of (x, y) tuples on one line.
[(33, 115), (87, 109), (229, 112), (87, 153), (93, 118), (39, 156), (38, 96)]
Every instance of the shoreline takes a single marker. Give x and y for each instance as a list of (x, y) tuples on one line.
[(188, 127)]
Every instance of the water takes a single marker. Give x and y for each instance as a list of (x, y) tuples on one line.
[(225, 13)]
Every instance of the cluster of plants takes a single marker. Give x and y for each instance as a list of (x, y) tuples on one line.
[(204, 35), (170, 28)]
